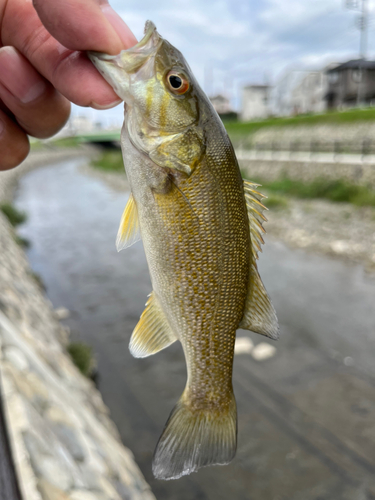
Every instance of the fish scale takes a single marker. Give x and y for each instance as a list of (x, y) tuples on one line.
[(201, 227)]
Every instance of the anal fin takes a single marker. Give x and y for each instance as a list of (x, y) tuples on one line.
[(152, 333), (128, 232)]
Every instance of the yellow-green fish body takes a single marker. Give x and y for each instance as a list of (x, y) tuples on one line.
[(201, 230)]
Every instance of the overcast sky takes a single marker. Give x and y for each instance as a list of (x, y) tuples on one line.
[(231, 43)]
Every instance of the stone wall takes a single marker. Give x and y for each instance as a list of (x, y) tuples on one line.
[(64, 443), (323, 137), (360, 173)]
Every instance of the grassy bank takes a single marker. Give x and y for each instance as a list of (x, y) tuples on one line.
[(336, 191), (237, 129)]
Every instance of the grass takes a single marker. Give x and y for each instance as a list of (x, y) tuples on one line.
[(66, 142), (237, 130), (110, 161), (38, 280), (82, 356), (276, 201), (14, 216), (336, 191), (21, 241)]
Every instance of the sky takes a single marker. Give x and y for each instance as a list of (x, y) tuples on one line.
[(233, 43)]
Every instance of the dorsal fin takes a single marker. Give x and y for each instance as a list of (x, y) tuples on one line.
[(259, 313), (128, 232), (152, 333), (255, 211)]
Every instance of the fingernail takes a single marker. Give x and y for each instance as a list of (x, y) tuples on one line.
[(121, 28), (105, 106), (22, 81)]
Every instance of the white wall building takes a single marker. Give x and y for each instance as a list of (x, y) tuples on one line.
[(310, 94), (255, 102), (281, 94), (221, 104)]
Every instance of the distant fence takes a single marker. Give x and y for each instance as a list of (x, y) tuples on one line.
[(364, 147)]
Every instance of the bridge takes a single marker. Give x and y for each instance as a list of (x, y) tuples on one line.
[(103, 137)]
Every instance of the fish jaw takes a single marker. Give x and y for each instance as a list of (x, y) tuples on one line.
[(121, 69)]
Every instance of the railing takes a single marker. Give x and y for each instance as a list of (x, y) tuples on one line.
[(363, 147), (9, 489)]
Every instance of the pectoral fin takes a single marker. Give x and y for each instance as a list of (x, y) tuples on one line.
[(152, 333), (180, 153), (259, 313), (128, 232)]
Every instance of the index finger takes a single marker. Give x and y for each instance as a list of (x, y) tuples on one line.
[(85, 25), (80, 24)]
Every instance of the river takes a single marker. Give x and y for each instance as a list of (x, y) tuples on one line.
[(306, 414)]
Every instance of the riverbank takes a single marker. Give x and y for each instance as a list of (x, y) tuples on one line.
[(64, 443)]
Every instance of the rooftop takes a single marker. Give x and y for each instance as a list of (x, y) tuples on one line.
[(353, 64)]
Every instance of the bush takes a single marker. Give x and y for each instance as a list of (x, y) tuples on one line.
[(110, 161)]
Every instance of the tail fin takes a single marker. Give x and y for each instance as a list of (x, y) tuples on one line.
[(195, 438)]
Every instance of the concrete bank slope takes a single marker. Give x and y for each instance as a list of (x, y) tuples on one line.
[(64, 444)]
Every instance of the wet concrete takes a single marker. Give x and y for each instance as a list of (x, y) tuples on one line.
[(306, 416)]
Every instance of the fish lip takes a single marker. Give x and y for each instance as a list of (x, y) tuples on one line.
[(149, 30)]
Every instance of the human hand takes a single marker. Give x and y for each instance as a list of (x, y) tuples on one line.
[(42, 68)]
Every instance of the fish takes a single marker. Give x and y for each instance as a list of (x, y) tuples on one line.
[(202, 229)]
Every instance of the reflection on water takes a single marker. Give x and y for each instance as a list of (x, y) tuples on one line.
[(299, 433)]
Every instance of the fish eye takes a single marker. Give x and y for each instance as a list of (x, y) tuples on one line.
[(177, 83)]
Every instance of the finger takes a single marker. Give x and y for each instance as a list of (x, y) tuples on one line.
[(14, 144), (37, 106), (85, 24), (69, 72)]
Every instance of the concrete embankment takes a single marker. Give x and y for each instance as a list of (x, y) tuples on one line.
[(64, 444), (305, 153)]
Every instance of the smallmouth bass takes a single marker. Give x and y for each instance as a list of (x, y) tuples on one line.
[(201, 227)]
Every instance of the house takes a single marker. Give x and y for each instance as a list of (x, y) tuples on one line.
[(350, 84), (221, 104), (255, 102)]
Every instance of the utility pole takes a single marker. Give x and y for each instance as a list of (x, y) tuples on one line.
[(362, 23), (363, 20)]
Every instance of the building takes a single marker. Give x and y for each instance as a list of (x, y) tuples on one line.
[(255, 102), (281, 94), (221, 104), (350, 84), (309, 94)]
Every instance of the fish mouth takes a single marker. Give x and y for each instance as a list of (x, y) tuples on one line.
[(142, 46), (118, 68)]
